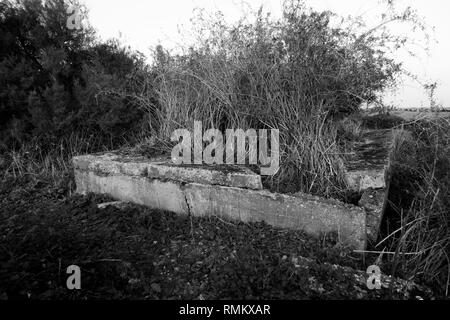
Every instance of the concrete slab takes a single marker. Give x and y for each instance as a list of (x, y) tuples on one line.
[(223, 175), (164, 195), (314, 215), (374, 202), (162, 169), (368, 173), (368, 165), (134, 181)]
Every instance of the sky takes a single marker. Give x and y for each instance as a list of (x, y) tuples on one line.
[(143, 24)]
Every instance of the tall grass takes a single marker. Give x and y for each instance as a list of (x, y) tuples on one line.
[(247, 91), (51, 157), (420, 203), (295, 74)]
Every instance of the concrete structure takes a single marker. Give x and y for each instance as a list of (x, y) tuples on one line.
[(368, 173), (114, 163), (236, 192), (195, 191), (367, 166)]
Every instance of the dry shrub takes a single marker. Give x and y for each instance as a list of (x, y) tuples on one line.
[(295, 74), (420, 203)]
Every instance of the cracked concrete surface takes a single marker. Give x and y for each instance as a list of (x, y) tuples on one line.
[(171, 188)]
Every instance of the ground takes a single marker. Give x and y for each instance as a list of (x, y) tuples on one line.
[(134, 252)]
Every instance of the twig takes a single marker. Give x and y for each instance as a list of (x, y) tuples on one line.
[(379, 252)]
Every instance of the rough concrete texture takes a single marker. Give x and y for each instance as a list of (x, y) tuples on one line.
[(239, 177), (114, 163), (368, 172), (368, 165), (314, 215), (164, 195), (374, 202), (128, 181)]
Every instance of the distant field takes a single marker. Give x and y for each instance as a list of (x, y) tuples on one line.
[(420, 114), (414, 114)]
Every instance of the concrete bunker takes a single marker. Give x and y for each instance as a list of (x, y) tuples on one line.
[(236, 192)]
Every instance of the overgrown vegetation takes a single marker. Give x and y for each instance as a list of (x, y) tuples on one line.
[(297, 74), (417, 230), (54, 82), (64, 92)]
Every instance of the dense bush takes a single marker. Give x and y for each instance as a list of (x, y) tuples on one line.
[(55, 81)]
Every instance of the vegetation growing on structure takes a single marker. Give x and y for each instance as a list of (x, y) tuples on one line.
[(64, 92), (298, 74)]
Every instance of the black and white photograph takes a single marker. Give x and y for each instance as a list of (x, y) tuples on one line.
[(227, 155)]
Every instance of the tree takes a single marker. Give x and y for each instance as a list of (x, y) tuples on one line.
[(53, 78)]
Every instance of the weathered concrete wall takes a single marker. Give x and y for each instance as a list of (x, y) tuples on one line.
[(165, 195), (314, 215), (374, 202), (368, 172), (134, 182), (368, 165), (114, 163)]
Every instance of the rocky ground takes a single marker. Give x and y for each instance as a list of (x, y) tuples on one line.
[(132, 252)]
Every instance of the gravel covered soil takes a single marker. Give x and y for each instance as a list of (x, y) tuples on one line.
[(133, 252)]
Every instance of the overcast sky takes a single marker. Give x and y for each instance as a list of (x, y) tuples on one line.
[(145, 23)]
